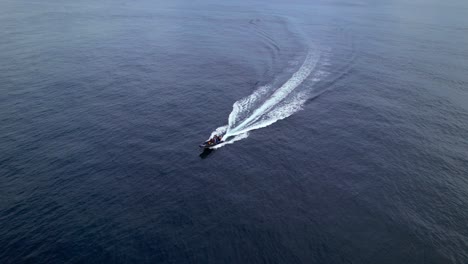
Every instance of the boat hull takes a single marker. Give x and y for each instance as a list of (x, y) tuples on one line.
[(205, 145)]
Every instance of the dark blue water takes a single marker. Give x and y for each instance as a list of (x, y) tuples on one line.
[(356, 150)]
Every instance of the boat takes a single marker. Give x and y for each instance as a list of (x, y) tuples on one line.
[(210, 143)]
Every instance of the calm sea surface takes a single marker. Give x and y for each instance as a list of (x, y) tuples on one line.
[(355, 148)]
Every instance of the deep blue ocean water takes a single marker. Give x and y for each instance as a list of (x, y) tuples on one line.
[(103, 105)]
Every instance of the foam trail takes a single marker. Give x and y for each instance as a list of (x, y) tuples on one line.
[(278, 96), (234, 139), (265, 106)]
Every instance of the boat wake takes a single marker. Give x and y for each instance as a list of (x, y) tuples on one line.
[(268, 104)]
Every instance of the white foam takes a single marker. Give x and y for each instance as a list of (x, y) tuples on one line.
[(232, 140), (265, 106)]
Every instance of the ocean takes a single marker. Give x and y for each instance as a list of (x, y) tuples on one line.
[(346, 127)]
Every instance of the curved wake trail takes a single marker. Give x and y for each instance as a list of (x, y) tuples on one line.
[(266, 105)]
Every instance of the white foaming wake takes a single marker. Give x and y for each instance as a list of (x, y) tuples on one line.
[(265, 105)]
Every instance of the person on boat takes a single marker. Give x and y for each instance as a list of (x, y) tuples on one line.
[(211, 141)]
